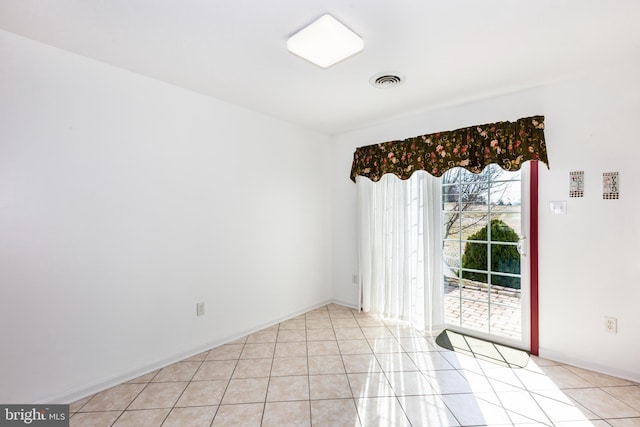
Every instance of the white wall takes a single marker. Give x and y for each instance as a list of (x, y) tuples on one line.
[(123, 202), (589, 258)]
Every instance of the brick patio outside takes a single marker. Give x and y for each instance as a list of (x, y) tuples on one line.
[(505, 316)]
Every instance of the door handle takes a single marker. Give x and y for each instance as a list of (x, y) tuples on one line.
[(522, 245)]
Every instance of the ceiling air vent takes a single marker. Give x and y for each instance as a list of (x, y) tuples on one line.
[(386, 80)]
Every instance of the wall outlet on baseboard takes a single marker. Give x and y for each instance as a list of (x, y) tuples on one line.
[(200, 309), (611, 324)]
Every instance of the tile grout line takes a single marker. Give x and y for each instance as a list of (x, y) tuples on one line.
[(273, 357), (306, 342), (353, 398), (137, 395), (384, 372), (244, 344), (185, 388)]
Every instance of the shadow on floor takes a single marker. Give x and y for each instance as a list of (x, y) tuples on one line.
[(483, 350)]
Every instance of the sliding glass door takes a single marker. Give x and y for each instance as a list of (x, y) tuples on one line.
[(484, 248)]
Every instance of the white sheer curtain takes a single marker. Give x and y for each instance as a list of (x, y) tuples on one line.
[(399, 248)]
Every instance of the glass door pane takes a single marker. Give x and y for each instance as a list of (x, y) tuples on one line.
[(482, 224)]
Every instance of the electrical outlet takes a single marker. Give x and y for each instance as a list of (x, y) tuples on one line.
[(611, 324), (200, 309), (354, 278)]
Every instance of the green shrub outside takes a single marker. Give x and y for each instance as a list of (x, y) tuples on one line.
[(504, 258)]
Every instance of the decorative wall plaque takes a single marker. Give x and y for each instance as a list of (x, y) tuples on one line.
[(610, 185), (576, 184)]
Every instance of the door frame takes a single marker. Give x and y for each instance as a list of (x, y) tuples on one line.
[(529, 311), (534, 336)]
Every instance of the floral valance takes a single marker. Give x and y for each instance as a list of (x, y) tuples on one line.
[(509, 144)]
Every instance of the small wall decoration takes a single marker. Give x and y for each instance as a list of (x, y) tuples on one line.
[(576, 184), (610, 185)]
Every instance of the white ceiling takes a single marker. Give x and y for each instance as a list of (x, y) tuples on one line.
[(451, 51)]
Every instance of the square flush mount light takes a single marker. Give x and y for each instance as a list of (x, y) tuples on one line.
[(325, 42)]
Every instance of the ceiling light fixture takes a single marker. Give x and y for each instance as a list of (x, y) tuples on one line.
[(325, 42)]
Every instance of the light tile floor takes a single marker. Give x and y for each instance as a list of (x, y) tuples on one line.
[(335, 366)]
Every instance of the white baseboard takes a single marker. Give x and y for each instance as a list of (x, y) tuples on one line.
[(580, 363), (346, 304), (101, 384)]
